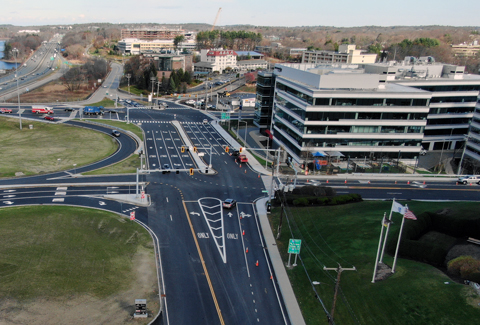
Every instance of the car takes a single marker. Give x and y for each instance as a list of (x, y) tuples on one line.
[(190, 102), (229, 203), (68, 109), (166, 168), (205, 121), (163, 104), (469, 179), (49, 118), (115, 133), (5, 110)]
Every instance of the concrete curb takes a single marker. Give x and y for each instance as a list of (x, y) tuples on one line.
[(293, 309)]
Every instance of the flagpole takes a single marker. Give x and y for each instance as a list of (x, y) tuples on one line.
[(378, 250), (398, 243), (386, 233)]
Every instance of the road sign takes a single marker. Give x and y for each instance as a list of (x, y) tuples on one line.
[(225, 116), (132, 215), (294, 246)]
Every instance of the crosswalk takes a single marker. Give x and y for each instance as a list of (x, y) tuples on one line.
[(160, 122)]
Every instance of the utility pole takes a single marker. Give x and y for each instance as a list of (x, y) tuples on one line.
[(339, 270)]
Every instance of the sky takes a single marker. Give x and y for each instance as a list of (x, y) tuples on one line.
[(340, 13)]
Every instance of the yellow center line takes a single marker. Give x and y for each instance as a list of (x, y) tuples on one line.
[(204, 267)]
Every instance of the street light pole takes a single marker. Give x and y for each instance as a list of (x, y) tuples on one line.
[(152, 79), (459, 171), (128, 75), (16, 77)]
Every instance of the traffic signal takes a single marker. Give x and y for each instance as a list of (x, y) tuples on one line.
[(227, 149), (191, 171), (183, 149), (195, 149), (240, 150)]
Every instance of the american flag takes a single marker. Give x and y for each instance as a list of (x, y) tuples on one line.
[(409, 215)]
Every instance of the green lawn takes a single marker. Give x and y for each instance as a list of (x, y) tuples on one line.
[(106, 102), (49, 147), (120, 124), (50, 251), (348, 234)]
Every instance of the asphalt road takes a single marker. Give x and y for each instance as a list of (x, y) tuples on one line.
[(210, 278)]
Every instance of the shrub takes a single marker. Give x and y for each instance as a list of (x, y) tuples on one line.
[(463, 266), (301, 201)]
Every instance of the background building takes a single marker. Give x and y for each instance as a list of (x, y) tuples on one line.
[(347, 53), (151, 34), (216, 60)]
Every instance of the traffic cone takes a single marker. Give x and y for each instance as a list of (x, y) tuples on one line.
[(395, 182), (307, 180), (408, 182), (271, 276), (256, 264), (245, 171), (243, 233), (246, 251), (368, 182), (345, 181), (240, 165), (258, 175), (423, 182), (327, 181)]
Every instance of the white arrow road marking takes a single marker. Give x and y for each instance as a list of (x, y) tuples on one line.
[(9, 191), (7, 202), (101, 203), (11, 195), (244, 215)]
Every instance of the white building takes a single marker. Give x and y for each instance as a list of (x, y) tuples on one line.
[(218, 59), (347, 53), (342, 109)]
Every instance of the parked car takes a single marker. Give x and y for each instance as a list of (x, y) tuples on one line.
[(5, 110), (49, 118), (115, 133), (229, 203), (205, 121), (469, 179)]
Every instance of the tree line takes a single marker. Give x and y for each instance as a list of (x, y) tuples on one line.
[(234, 40), (25, 44), (78, 76), (143, 75)]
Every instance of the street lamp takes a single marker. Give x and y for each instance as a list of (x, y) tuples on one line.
[(152, 79), (467, 136), (238, 128), (128, 75), (18, 93)]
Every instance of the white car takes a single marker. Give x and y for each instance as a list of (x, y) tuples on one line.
[(469, 179), (205, 121), (190, 102)]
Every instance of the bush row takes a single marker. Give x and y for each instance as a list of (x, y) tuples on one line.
[(341, 199), (433, 252)]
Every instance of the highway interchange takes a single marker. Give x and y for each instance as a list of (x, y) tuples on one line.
[(207, 276)]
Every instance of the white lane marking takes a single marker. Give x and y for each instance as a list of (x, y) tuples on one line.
[(171, 218), (64, 188), (60, 193), (167, 199), (60, 199), (7, 202)]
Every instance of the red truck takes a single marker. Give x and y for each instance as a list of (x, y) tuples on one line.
[(42, 110), (243, 158)]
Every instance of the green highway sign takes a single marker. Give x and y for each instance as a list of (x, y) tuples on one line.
[(294, 246), (225, 116)]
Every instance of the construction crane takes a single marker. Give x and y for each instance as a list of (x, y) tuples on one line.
[(216, 18)]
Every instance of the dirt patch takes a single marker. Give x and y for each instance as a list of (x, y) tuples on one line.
[(86, 309), (53, 92)]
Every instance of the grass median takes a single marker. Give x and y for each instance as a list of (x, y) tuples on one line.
[(60, 254), (349, 234), (49, 147)]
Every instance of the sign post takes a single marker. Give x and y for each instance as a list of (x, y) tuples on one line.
[(140, 308), (294, 248)]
